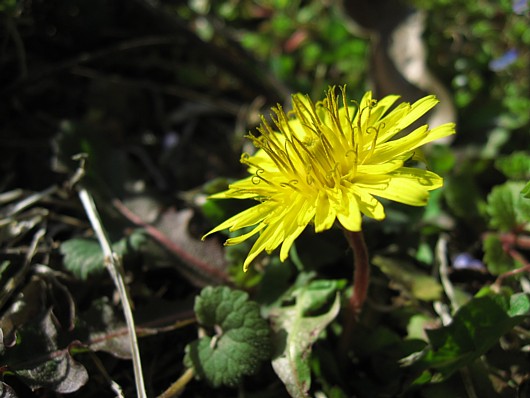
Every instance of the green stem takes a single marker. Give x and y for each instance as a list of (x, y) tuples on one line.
[(361, 281), (178, 387)]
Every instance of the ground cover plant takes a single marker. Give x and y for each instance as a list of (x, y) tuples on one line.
[(366, 163)]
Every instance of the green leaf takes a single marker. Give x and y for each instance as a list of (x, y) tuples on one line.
[(507, 207), (417, 283), (475, 328), (463, 196), (496, 259), (297, 327), (240, 341), (82, 257), (515, 166), (526, 191)]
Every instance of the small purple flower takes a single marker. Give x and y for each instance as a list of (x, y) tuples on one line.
[(508, 58), (466, 261), (170, 140), (519, 6)]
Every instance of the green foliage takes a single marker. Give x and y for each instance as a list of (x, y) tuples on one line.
[(83, 257), (507, 208), (8, 6), (491, 64), (515, 166), (495, 257), (475, 328), (416, 283), (240, 340), (526, 191), (304, 44), (297, 327)]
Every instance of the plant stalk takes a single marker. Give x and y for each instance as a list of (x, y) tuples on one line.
[(113, 264), (361, 281)]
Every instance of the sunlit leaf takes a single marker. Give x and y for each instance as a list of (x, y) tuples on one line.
[(475, 328), (526, 191), (297, 327), (418, 284)]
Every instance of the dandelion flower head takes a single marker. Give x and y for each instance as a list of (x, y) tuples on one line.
[(328, 162)]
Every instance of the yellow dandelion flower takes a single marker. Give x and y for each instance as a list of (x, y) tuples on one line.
[(328, 161)]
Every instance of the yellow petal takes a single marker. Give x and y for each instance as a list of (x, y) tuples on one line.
[(324, 213), (244, 219), (304, 216), (409, 186), (350, 216), (392, 149), (417, 110), (241, 238)]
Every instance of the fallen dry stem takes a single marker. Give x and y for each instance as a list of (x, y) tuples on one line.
[(112, 263)]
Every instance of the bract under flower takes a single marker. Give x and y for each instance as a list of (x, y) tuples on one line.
[(326, 162)]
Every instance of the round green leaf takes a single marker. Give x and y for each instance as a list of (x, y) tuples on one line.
[(238, 340)]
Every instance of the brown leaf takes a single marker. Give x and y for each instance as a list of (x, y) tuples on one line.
[(203, 261)]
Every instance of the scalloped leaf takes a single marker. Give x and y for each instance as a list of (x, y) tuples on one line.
[(507, 207), (83, 257), (496, 259), (515, 166), (476, 327), (297, 327), (239, 340)]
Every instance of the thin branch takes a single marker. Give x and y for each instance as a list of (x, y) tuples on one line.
[(29, 201), (441, 257), (517, 256), (112, 262), (12, 284)]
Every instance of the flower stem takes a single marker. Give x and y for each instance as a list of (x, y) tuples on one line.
[(178, 387), (361, 280), (361, 273)]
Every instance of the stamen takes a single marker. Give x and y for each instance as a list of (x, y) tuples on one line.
[(291, 184), (257, 178)]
